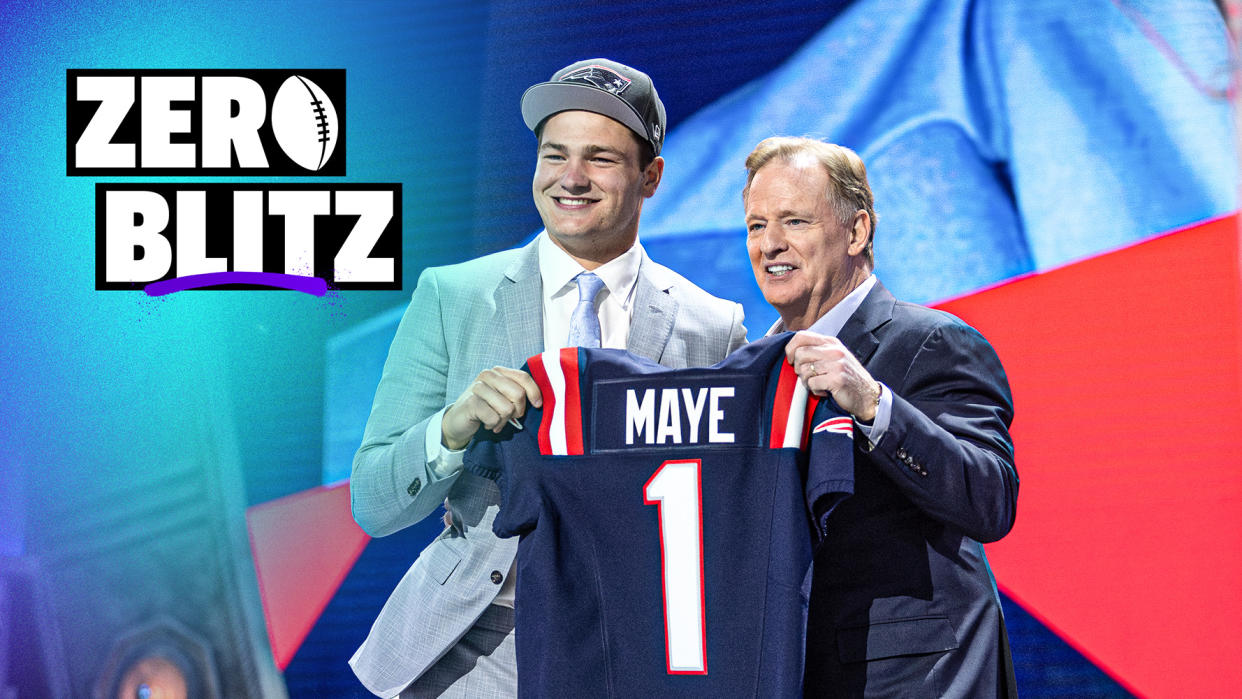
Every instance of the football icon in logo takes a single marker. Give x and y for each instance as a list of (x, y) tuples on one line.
[(304, 122)]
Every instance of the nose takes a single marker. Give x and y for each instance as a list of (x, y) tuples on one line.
[(574, 177), (772, 240)]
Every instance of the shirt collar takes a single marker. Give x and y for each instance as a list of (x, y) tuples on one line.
[(557, 271), (831, 322)]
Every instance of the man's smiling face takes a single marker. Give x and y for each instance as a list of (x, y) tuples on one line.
[(589, 186), (804, 257)]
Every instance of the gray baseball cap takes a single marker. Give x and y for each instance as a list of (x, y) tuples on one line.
[(602, 86)]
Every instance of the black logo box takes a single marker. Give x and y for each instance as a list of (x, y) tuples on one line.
[(79, 113)]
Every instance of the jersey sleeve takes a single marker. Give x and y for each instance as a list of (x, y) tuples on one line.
[(511, 458), (514, 457), (830, 461), (484, 455)]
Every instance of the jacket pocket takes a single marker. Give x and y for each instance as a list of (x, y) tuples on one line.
[(442, 560), (886, 639)]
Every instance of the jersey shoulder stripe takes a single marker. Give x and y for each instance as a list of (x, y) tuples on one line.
[(790, 408), (556, 372)]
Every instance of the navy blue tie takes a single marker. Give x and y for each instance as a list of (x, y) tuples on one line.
[(584, 330)]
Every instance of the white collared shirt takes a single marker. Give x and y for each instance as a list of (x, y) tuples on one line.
[(560, 293)]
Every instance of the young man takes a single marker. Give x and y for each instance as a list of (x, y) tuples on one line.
[(448, 627)]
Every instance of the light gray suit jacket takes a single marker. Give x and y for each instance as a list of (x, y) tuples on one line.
[(461, 320)]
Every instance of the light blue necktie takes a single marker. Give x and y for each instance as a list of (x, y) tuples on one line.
[(584, 330)]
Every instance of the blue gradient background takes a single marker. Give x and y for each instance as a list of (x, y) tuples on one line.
[(109, 395)]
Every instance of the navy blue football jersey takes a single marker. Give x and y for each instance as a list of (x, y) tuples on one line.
[(668, 519)]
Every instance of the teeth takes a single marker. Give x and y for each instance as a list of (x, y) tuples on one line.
[(573, 202), (780, 270)]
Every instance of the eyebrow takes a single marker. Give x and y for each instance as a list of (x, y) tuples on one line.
[(783, 213), (590, 150)]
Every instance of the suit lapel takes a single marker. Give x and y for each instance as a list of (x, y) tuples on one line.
[(859, 332), (519, 307), (655, 311)]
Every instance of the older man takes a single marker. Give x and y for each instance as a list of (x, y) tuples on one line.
[(902, 603), (448, 627)]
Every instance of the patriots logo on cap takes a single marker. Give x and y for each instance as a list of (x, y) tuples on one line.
[(599, 76), (839, 425)]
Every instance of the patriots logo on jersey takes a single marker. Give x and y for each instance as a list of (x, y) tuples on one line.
[(839, 425)]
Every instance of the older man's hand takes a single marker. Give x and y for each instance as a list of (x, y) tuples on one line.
[(828, 367), (497, 395)]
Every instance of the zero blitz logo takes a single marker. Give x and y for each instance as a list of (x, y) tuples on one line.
[(209, 122), (171, 237)]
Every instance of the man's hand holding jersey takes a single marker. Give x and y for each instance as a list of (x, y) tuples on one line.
[(497, 396), (828, 367)]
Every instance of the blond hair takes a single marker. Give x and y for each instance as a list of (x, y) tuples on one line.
[(848, 191)]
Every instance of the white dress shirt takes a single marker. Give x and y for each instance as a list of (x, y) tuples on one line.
[(614, 304)]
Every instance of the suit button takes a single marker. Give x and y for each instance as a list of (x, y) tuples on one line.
[(901, 454), (497, 577), (414, 487)]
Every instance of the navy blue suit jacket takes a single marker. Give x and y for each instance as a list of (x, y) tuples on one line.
[(903, 602)]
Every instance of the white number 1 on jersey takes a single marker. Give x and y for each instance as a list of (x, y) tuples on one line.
[(676, 488)]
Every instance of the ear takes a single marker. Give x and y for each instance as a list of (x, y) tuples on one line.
[(652, 175), (860, 232)]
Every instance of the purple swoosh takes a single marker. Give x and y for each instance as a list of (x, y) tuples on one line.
[(315, 286)]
